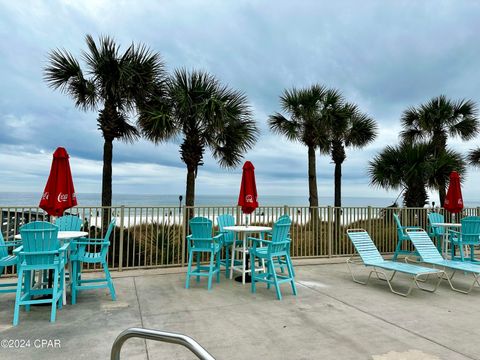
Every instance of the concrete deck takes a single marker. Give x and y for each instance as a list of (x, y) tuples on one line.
[(331, 318)]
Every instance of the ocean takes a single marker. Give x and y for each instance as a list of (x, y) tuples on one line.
[(84, 199), (29, 199)]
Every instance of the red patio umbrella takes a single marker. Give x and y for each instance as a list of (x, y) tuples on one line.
[(59, 193), (454, 200), (248, 189)]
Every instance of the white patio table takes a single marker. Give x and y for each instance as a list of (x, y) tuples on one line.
[(65, 235), (447, 227), (243, 230)]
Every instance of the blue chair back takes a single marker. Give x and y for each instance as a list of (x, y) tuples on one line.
[(280, 233), (69, 223), (471, 230), (424, 246), (365, 246), (40, 243), (201, 229), (433, 218), (223, 221)]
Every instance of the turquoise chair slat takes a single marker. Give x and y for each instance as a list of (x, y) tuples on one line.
[(69, 223), (371, 257), (430, 255), (276, 251), (92, 256), (40, 251)]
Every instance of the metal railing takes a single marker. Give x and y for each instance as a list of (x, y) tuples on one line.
[(156, 335), (155, 236)]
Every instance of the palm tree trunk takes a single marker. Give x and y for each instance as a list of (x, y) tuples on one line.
[(312, 178), (442, 192), (190, 191), (338, 184), (107, 182)]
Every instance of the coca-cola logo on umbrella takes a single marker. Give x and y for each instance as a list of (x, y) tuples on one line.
[(62, 197), (249, 198)]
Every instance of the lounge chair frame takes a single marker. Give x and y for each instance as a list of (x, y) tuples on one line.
[(381, 265)]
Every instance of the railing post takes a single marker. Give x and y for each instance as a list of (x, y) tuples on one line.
[(238, 216), (120, 251), (478, 210), (183, 221), (329, 231), (285, 209), (369, 219)]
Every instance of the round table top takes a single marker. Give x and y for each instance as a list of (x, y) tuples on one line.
[(447, 224), (64, 235), (245, 228)]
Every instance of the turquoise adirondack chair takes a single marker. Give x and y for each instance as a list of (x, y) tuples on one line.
[(40, 250), (274, 249), (7, 259), (469, 236), (227, 240), (200, 242), (281, 261), (371, 257), (87, 252), (402, 237), (436, 232), (69, 223)]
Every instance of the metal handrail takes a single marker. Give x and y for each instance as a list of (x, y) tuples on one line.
[(156, 335)]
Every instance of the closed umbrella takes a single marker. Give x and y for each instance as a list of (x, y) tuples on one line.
[(59, 193), (248, 189), (454, 200)]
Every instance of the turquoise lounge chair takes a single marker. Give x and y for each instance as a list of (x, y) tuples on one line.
[(275, 249), (40, 250), (202, 241), (468, 236), (402, 237), (371, 258), (430, 255)]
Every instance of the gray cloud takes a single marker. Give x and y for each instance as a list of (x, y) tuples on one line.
[(385, 56)]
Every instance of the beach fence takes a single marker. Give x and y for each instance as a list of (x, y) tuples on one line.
[(155, 236)]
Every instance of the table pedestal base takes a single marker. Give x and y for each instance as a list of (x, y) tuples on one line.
[(248, 278)]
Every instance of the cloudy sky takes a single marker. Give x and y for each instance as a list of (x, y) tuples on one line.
[(383, 55)]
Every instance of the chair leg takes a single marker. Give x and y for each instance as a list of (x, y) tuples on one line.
[(109, 281), (275, 280), (462, 256), (254, 280), (217, 269), (74, 281), (54, 296), (210, 271), (17, 297), (62, 287), (397, 250), (27, 284), (189, 269), (291, 275), (227, 261), (198, 266)]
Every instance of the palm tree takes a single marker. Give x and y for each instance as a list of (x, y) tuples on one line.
[(412, 167), (304, 125), (474, 157), (347, 127), (205, 114), (435, 121), (115, 84)]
